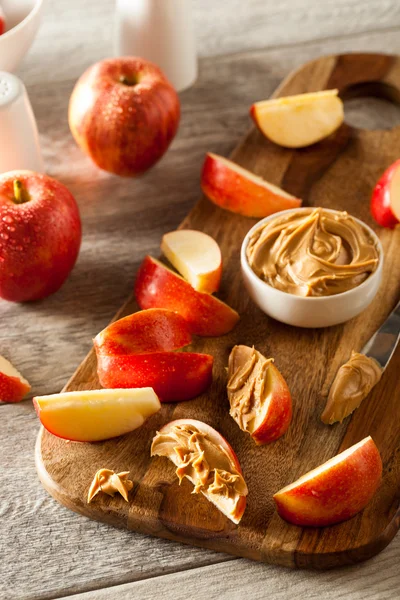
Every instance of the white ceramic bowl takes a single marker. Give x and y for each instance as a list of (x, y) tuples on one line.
[(22, 23), (322, 311)]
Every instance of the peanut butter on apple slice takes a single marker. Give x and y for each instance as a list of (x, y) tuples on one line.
[(204, 457), (260, 399), (110, 483), (353, 382), (247, 371)]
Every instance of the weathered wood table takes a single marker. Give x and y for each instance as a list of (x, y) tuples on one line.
[(246, 48)]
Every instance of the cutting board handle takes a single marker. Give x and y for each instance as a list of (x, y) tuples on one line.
[(354, 75)]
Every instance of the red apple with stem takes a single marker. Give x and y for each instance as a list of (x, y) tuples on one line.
[(124, 114), (385, 201), (40, 235)]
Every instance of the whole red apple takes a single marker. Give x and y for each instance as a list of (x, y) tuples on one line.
[(40, 235), (124, 114)]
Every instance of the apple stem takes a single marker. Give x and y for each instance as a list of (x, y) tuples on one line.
[(128, 81), (20, 193)]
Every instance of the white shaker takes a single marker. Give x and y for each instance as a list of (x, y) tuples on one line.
[(160, 31), (19, 139)]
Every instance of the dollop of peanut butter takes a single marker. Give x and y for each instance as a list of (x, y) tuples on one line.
[(110, 483), (312, 252), (247, 385), (353, 382), (205, 463)]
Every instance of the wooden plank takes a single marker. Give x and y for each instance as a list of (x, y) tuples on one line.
[(238, 579), (338, 173), (49, 339)]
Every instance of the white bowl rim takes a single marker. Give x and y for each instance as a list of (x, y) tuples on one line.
[(20, 25), (330, 298)]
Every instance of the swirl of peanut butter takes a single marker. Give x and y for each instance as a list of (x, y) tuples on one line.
[(353, 382), (312, 252), (206, 464)]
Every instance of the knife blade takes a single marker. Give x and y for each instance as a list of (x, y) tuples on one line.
[(384, 342)]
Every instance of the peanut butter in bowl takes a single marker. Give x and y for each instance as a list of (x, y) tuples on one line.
[(299, 266), (313, 252)]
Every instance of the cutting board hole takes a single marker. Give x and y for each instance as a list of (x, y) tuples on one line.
[(372, 106)]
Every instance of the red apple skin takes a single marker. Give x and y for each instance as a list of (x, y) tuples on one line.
[(158, 287), (12, 389), (380, 200), (39, 239), (234, 192), (146, 331), (174, 376), (2, 25), (125, 129), (337, 494), (138, 351), (279, 414)]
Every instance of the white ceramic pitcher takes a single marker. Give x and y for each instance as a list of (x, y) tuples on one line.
[(19, 138), (162, 32)]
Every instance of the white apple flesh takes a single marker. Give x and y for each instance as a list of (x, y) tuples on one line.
[(196, 256), (299, 121), (95, 415)]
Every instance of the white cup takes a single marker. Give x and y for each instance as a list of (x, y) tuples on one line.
[(19, 139), (160, 31)]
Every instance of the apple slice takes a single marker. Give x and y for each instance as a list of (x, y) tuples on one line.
[(174, 376), (144, 332), (13, 387), (138, 351), (335, 491), (203, 456), (238, 190), (196, 256), (299, 121), (2, 21), (158, 286), (95, 415), (260, 399), (385, 201)]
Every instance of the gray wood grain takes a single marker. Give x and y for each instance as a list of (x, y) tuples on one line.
[(48, 552), (221, 28), (239, 579)]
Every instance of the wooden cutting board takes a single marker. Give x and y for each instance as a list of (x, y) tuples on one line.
[(339, 173)]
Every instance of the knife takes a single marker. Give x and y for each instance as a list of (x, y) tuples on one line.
[(384, 342)]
